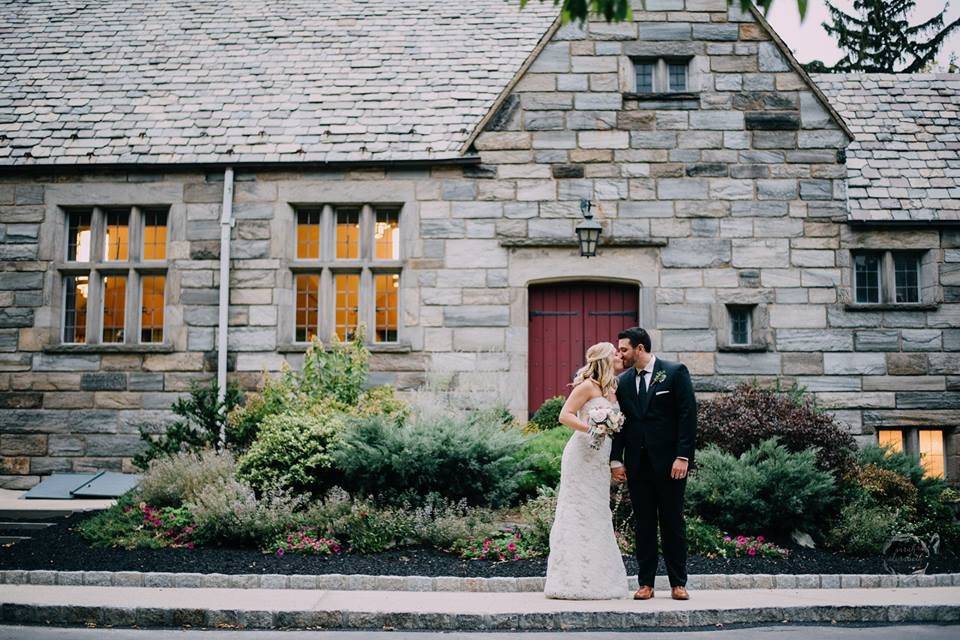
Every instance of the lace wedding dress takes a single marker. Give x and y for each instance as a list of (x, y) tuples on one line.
[(585, 562)]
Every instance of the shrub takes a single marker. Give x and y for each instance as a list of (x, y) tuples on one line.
[(202, 416), (499, 547), (903, 464), (336, 371), (174, 480), (304, 542), (750, 547), (293, 451), (548, 415), (748, 415), (541, 454), (703, 539), (864, 528), (887, 487), (121, 525), (539, 513), (767, 489), (228, 512), (243, 423), (382, 401), (455, 457)]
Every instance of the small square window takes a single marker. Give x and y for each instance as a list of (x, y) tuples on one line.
[(867, 275), (79, 234), (645, 73), (154, 235), (677, 76), (740, 325), (930, 447), (75, 309), (907, 277), (114, 307), (347, 291), (348, 234), (308, 234), (117, 238), (890, 439), (151, 308)]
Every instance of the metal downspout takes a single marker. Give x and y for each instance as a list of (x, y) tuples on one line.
[(226, 225)]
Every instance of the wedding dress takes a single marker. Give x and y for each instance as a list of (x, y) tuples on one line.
[(585, 562)]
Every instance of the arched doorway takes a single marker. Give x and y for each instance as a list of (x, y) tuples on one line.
[(564, 319)]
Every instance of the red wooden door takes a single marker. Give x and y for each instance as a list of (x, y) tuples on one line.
[(565, 319)]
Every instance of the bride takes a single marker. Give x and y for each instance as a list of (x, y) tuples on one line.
[(585, 562)]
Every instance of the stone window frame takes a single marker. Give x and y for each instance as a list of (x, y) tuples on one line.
[(328, 265), (134, 269), (760, 338), (930, 295), (697, 71)]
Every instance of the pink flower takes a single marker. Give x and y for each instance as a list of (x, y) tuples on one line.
[(511, 547), (727, 538), (759, 538), (751, 552), (280, 552)]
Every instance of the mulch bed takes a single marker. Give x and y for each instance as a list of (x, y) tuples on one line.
[(62, 549)]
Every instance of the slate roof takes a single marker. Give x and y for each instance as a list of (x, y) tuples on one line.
[(904, 164), (197, 81)]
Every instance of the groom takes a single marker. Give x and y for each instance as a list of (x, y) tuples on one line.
[(656, 397)]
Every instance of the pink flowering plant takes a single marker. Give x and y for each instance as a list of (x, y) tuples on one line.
[(171, 526), (750, 547), (500, 547), (306, 542)]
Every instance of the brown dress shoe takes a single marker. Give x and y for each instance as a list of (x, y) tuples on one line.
[(679, 593), (643, 593)]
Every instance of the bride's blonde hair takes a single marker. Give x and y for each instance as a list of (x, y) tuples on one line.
[(599, 367)]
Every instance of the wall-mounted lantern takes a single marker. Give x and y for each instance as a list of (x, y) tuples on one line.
[(588, 231)]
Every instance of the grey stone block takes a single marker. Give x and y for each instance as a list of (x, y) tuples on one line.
[(112, 381), (651, 31), (772, 120), (69, 578), (748, 363), (303, 582), (127, 579), (42, 577), (716, 32), (829, 581), (160, 580), (97, 578), (696, 252), (274, 581), (877, 340), (769, 58), (476, 316)]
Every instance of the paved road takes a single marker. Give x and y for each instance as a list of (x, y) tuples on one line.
[(927, 632)]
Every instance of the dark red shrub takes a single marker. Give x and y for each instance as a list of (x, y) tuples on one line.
[(739, 419)]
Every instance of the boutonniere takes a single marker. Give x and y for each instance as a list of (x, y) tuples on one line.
[(659, 377)]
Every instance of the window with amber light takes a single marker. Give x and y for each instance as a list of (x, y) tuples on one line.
[(927, 445), (113, 262), (346, 272)]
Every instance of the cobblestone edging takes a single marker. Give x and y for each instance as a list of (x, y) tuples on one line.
[(340, 582), (109, 616)]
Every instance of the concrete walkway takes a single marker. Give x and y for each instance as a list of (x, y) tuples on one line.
[(297, 608)]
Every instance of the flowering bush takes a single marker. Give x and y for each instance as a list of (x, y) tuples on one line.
[(173, 526), (746, 546), (228, 511), (547, 416), (305, 541), (500, 547), (749, 414)]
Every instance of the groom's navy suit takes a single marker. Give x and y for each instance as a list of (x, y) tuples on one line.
[(660, 427)]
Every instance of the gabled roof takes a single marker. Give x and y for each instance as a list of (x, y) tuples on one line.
[(196, 81), (904, 164)]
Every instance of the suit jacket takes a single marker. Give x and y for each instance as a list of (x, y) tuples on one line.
[(664, 420)]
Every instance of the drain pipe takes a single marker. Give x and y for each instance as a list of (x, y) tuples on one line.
[(226, 226)]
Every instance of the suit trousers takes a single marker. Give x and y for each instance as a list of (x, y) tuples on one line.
[(658, 500)]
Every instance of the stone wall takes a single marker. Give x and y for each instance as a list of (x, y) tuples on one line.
[(733, 194)]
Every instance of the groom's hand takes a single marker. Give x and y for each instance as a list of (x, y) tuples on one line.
[(619, 474), (679, 470)]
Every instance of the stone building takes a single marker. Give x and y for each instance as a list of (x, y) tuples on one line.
[(419, 167)]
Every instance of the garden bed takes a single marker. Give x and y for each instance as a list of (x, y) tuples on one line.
[(61, 548)]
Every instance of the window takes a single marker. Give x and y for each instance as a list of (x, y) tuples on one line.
[(925, 444), (662, 75), (888, 277), (351, 280), (907, 277), (125, 286), (740, 325), (867, 274)]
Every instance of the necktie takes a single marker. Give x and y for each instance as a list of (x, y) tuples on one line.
[(642, 387)]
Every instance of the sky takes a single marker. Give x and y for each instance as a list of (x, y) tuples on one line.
[(809, 41)]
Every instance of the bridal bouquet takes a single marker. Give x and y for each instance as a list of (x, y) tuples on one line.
[(603, 421)]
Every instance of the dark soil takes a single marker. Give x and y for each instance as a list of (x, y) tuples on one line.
[(60, 548)]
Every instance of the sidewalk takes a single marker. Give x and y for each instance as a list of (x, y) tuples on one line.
[(299, 608)]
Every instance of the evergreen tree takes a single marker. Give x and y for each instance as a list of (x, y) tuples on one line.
[(880, 37)]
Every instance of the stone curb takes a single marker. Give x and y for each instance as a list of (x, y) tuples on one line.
[(73, 615), (341, 582)]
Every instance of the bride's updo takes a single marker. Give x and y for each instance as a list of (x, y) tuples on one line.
[(599, 367)]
